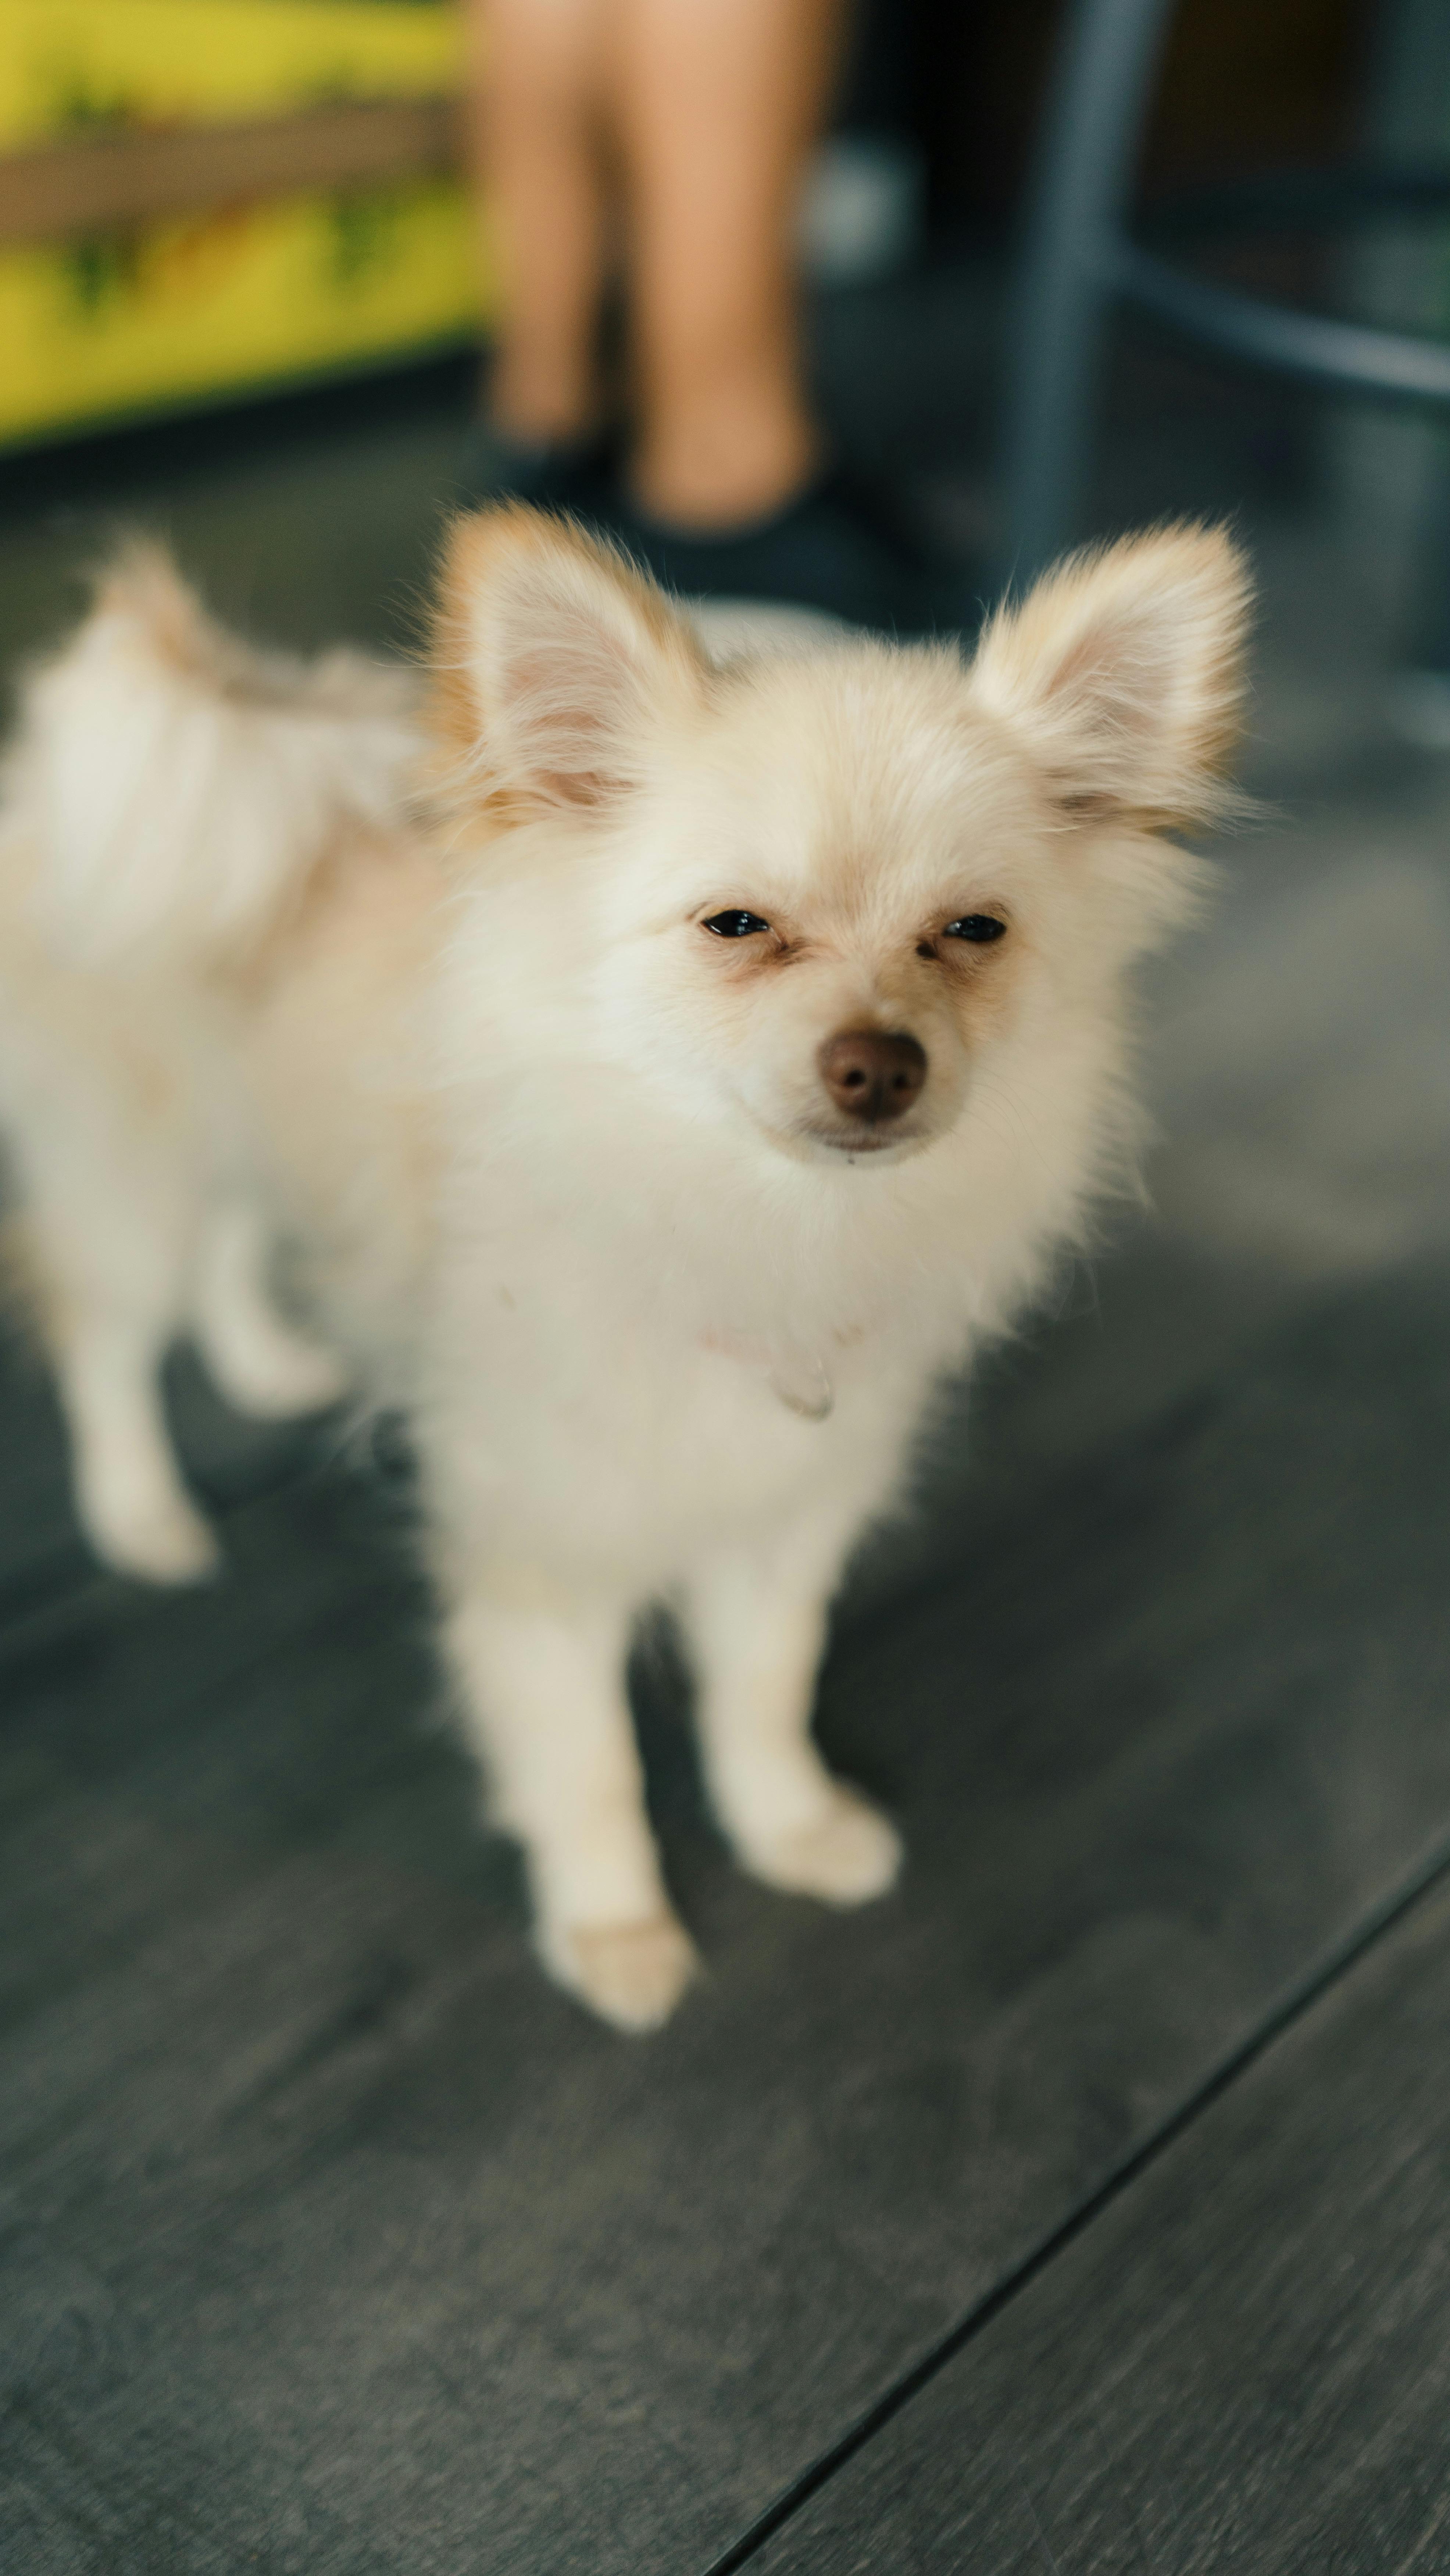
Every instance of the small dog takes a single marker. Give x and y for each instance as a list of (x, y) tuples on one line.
[(669, 1068)]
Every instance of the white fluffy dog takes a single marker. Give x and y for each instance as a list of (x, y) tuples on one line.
[(669, 1071)]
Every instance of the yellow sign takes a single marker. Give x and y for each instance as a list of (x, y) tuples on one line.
[(243, 295)]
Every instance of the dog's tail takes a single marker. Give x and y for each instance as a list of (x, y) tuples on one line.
[(182, 786)]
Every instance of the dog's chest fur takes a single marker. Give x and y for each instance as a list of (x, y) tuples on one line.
[(647, 1346)]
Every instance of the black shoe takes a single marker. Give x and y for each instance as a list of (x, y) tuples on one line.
[(836, 547), (570, 475)]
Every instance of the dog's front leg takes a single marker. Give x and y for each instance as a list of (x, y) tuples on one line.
[(758, 1630), (543, 1684)]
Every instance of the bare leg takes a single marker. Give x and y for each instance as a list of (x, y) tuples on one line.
[(544, 1701), (262, 1364), (716, 103), (537, 93), (758, 1636), (713, 105)]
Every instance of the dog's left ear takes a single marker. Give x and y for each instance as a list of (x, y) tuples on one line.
[(1123, 669), (556, 663)]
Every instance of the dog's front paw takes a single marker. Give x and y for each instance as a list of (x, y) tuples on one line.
[(845, 1855), (631, 1974)]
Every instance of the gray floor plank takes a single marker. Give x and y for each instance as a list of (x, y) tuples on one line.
[(1243, 2362), (336, 2241)]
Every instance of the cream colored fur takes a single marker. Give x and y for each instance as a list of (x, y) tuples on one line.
[(569, 1183)]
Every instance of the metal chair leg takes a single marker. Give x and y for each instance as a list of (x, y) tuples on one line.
[(1086, 164)]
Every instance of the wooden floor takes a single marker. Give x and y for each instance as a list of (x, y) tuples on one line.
[(1086, 2206)]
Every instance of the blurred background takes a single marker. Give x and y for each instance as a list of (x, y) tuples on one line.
[(243, 288), (237, 230)]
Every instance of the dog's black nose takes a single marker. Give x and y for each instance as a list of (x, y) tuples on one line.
[(871, 1076)]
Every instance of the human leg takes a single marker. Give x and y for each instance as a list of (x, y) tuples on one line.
[(716, 103), (536, 98)]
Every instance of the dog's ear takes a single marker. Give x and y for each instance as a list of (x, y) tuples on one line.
[(555, 662), (1123, 671)]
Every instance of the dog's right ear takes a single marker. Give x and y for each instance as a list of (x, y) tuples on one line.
[(556, 664)]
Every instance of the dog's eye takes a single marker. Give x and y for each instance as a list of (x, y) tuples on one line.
[(736, 925), (979, 927)]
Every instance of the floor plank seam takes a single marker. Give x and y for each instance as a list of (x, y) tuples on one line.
[(1429, 1874)]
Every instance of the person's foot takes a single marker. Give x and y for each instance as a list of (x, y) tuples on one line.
[(562, 474), (835, 546)]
